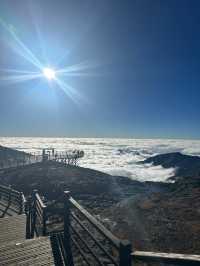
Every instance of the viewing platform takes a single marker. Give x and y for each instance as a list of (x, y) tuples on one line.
[(13, 158)]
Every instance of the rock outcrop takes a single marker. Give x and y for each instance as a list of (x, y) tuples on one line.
[(185, 165)]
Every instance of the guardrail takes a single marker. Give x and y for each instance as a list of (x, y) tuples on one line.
[(73, 231), (36, 216), (166, 258), (21, 161), (12, 199), (83, 234), (117, 252)]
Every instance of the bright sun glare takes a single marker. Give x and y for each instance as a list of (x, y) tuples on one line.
[(58, 75), (49, 73)]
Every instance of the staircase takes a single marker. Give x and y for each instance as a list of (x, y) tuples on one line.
[(15, 249), (35, 252)]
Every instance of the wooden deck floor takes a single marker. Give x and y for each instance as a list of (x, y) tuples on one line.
[(12, 229), (33, 252), (16, 250)]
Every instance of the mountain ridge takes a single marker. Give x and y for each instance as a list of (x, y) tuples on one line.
[(185, 165)]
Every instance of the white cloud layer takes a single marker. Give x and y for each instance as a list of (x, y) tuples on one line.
[(113, 156)]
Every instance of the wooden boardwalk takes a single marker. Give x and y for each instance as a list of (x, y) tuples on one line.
[(33, 252), (70, 245), (16, 250)]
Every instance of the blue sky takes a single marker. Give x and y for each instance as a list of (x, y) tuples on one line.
[(144, 73)]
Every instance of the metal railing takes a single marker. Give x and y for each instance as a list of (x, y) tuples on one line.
[(82, 234), (19, 161), (12, 199)]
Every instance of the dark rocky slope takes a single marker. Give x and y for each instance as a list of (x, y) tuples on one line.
[(98, 190), (186, 166), (167, 220)]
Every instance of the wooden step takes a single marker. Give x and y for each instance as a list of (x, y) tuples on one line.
[(34, 252)]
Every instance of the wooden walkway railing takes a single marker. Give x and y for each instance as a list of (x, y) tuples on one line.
[(28, 159), (81, 233), (18, 162), (12, 199), (166, 258)]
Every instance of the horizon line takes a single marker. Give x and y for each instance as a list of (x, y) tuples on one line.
[(114, 137)]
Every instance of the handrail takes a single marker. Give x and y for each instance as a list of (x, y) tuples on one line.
[(42, 205), (87, 246), (20, 162), (76, 244), (94, 239), (37, 214), (13, 197), (96, 224), (8, 189), (123, 247), (171, 258), (70, 231)]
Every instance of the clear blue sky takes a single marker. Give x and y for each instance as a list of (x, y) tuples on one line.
[(145, 84)]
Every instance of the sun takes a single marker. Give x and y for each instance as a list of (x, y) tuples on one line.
[(49, 73)]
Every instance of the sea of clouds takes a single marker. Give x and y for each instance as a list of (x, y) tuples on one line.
[(113, 156)]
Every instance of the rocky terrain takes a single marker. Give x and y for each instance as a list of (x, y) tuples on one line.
[(97, 190), (185, 165), (167, 220), (154, 216)]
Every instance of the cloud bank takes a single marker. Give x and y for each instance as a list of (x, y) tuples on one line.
[(113, 156)]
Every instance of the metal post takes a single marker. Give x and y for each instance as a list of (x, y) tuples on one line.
[(44, 222), (9, 196), (125, 253), (21, 207), (33, 212), (28, 218), (67, 242)]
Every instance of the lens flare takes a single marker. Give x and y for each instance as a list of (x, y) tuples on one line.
[(49, 73), (58, 76)]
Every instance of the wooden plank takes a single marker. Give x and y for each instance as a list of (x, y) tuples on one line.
[(178, 259), (30, 252)]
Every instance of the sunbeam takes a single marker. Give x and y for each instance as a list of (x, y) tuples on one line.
[(24, 51), (78, 67), (11, 71), (19, 78), (69, 90), (10, 75)]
